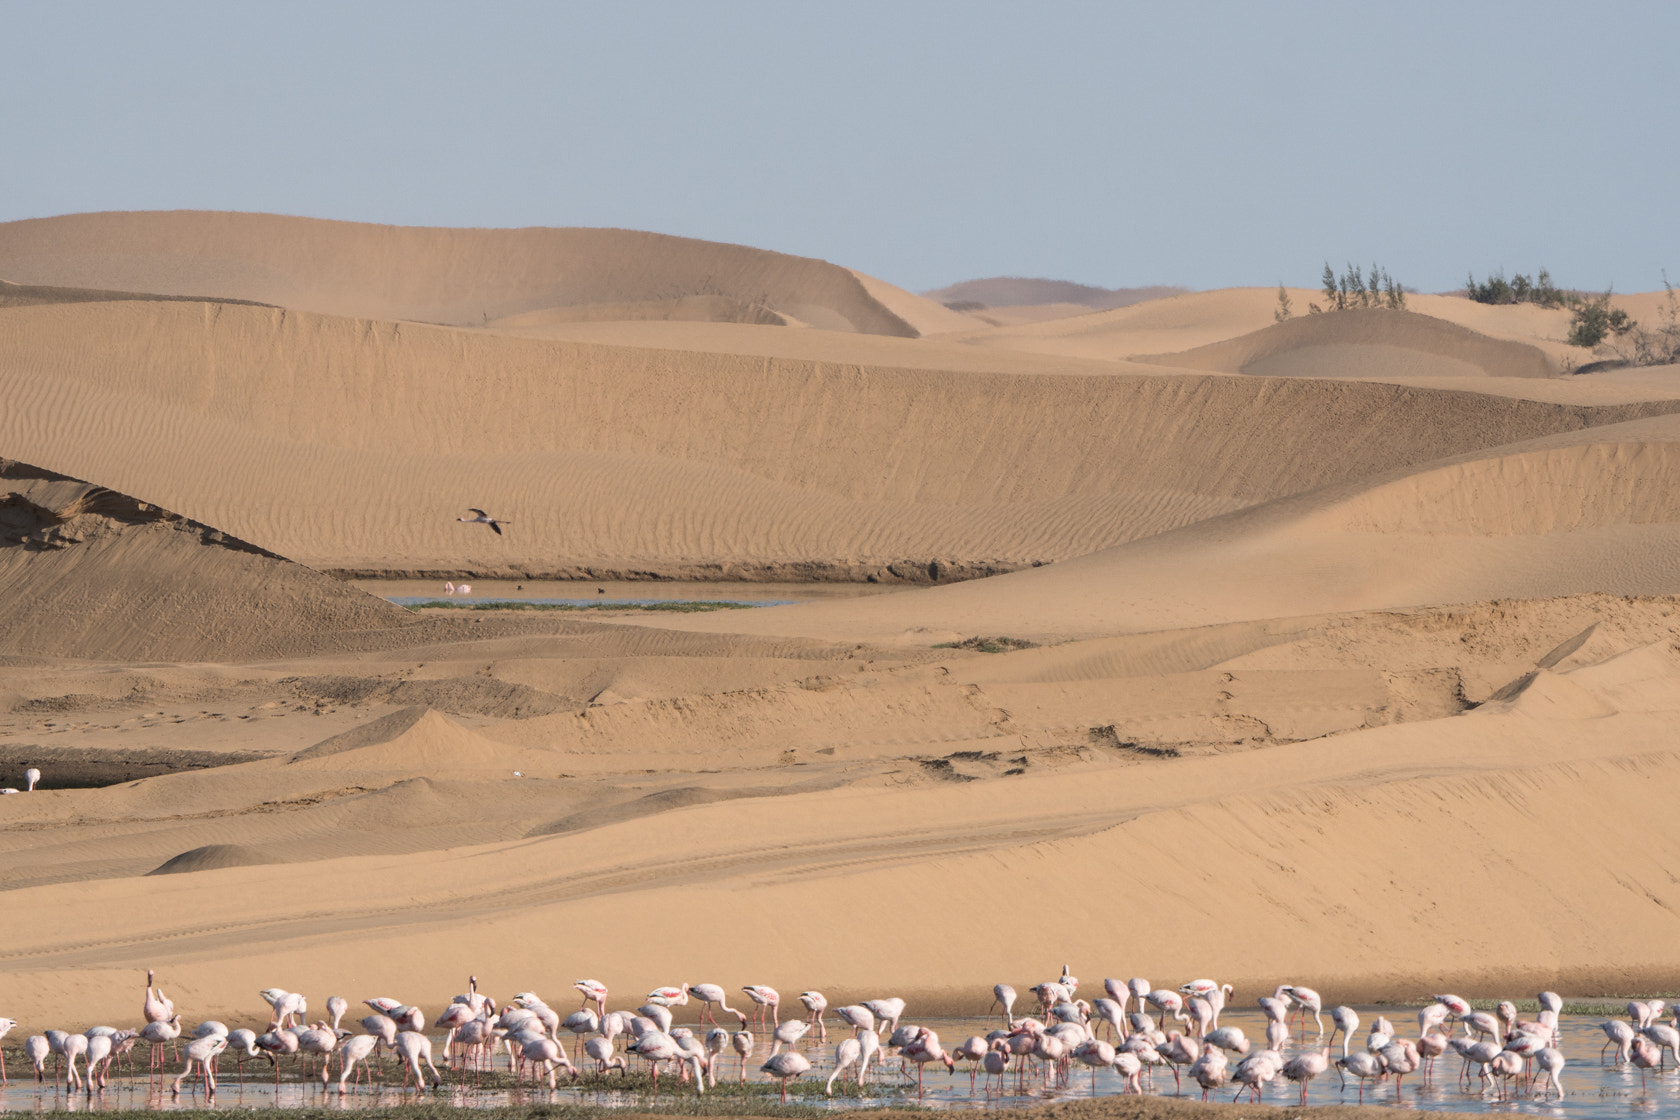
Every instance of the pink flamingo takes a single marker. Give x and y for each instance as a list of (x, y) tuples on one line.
[(1309, 1001), (355, 1049), (156, 1008), (414, 1048), (816, 1003), (1167, 1002), (786, 1066), (159, 1034), (1005, 995), (768, 1005), (1304, 1067), (924, 1048), (742, 1043), (709, 994), (593, 991), (6, 1026)]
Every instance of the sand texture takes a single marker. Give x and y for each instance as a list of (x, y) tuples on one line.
[(1339, 648)]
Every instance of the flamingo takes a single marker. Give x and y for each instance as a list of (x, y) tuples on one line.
[(413, 1048), (768, 1003), (1112, 1013), (1228, 1038), (276, 1043), (156, 1009), (98, 1060), (709, 994), (31, 778), (159, 1034), (1665, 1036), (1645, 1055), (1255, 1072), (1429, 1017), (972, 1050), (887, 1013), (742, 1043), (1209, 1070), (1364, 1066), (1620, 1035), (671, 996), (856, 1016), (1550, 1061), (38, 1050), (1304, 1067), (1214, 993), (845, 1055), (6, 1026), (354, 1050), (995, 1063), (925, 1048), (1345, 1020), (1096, 1054), (337, 1006), (593, 992), (1401, 1057), (717, 1040), (786, 1066), (201, 1052), (1198, 1014), (1309, 1001), (1179, 1050), (483, 518), (73, 1046), (1167, 1001), (318, 1040), (1130, 1069), (1005, 995), (1431, 1046), (789, 1033), (602, 1051), (550, 1055), (816, 1003)]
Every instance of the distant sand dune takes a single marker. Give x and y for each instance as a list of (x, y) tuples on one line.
[(459, 276), (1364, 343)]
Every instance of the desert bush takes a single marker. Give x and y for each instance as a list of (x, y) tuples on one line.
[(1595, 320), (1353, 288), (1283, 311), (1539, 291)]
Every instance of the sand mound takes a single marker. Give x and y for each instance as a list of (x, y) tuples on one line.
[(421, 741), (461, 276), (213, 856), (1365, 343), (1018, 291), (351, 445), (93, 573)]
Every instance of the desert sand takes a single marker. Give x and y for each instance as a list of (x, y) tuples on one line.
[(1343, 649)]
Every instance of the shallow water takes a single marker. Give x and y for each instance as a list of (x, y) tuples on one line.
[(1594, 1090), (621, 592)]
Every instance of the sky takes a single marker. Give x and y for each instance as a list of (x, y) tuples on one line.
[(1200, 144)]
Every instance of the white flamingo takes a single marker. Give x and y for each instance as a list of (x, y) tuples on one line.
[(483, 518)]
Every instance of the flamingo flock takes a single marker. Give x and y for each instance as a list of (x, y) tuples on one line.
[(1125, 1031)]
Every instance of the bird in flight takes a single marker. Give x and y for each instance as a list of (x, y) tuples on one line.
[(495, 523)]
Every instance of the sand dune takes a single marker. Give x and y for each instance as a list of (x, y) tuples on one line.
[(347, 444), (465, 277), (1368, 343), (91, 572)]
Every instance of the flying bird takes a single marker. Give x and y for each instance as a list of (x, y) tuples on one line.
[(483, 518)]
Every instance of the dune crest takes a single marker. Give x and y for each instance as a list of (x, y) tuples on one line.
[(464, 277)]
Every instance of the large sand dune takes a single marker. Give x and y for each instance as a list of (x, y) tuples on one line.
[(351, 444), (1344, 614), (467, 277)]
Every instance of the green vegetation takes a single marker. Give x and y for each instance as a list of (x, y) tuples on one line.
[(1595, 320), (1354, 289), (683, 606), (1539, 291), (989, 645), (1283, 310)]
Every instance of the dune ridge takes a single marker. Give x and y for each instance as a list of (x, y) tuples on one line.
[(456, 276)]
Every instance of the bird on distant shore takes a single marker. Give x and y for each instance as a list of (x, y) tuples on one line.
[(31, 777), (483, 518)]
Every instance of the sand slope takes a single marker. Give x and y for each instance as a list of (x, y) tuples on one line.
[(350, 444), (467, 277), (90, 572)]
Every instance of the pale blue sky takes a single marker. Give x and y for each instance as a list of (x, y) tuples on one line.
[(1197, 144)]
